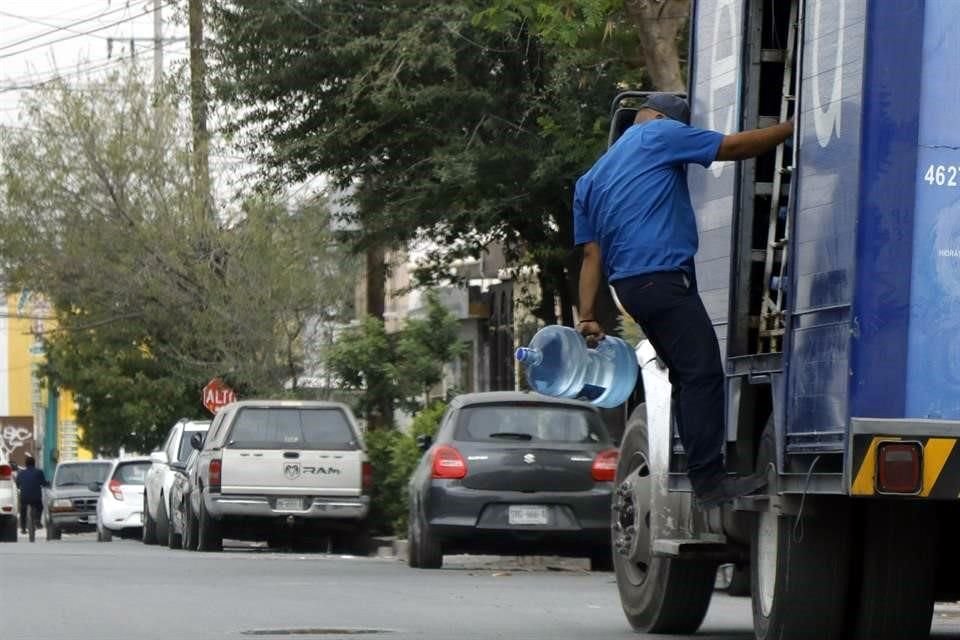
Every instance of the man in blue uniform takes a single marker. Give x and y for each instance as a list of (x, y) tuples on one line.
[(30, 482), (633, 216)]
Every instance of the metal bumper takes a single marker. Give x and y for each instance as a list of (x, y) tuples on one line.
[(940, 458), (313, 507), (71, 519)]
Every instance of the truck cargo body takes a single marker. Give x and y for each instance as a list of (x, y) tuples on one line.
[(831, 272)]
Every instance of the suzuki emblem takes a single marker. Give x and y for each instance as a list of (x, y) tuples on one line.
[(529, 458), (291, 470)]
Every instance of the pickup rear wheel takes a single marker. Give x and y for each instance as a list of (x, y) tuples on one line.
[(658, 595), (800, 565), (209, 535)]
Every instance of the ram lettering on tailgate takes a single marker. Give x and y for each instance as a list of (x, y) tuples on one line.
[(294, 470)]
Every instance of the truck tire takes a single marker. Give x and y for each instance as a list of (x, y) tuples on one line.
[(658, 595), (209, 534), (149, 529), (800, 568), (739, 581), (897, 571)]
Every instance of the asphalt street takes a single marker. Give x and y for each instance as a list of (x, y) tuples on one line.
[(77, 588)]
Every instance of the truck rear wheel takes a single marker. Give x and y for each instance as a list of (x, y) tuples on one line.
[(800, 565), (658, 595), (897, 571)]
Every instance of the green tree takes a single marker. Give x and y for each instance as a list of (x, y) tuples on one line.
[(449, 129), (395, 371), (152, 295)]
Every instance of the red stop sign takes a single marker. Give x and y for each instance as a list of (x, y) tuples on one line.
[(217, 395)]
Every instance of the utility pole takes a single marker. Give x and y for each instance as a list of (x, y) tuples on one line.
[(198, 105), (157, 43)]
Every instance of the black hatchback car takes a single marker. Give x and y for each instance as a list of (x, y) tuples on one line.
[(514, 473)]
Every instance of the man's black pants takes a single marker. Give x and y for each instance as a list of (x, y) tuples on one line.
[(668, 308), (38, 509)]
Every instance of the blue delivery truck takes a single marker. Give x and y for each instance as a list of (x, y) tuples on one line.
[(831, 271)]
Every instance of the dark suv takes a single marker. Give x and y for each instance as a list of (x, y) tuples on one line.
[(71, 502), (514, 473)]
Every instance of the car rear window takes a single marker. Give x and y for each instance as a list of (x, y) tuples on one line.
[(80, 475), (131, 472), (530, 423), (291, 428)]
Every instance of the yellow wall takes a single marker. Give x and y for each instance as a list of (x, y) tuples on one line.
[(67, 420), (18, 362)]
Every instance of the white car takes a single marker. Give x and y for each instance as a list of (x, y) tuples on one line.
[(120, 507), (8, 502), (156, 489)]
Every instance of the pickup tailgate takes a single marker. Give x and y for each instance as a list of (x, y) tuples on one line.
[(292, 451), (332, 473)]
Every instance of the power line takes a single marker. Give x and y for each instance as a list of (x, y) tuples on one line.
[(78, 34), (55, 28)]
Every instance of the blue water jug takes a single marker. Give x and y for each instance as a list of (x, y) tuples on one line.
[(559, 363)]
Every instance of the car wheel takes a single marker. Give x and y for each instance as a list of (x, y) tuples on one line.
[(413, 558), (103, 534), (209, 535), (149, 531), (161, 525), (53, 532), (8, 533), (189, 528), (601, 559), (174, 539), (429, 550)]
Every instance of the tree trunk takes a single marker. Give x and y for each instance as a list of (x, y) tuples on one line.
[(659, 23), (376, 281)]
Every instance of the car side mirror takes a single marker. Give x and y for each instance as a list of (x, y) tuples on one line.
[(95, 486), (159, 457), (196, 441), (176, 465), (424, 442)]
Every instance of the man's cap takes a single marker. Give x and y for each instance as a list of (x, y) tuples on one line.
[(674, 107)]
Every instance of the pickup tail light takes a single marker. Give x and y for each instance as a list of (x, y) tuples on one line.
[(115, 489), (213, 475), (367, 477), (604, 467), (6, 471), (448, 464)]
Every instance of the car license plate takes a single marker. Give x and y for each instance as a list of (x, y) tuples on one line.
[(527, 515), (289, 504)]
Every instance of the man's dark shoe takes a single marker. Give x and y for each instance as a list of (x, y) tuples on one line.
[(729, 489)]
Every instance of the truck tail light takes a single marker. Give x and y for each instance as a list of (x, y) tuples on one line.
[(214, 474), (367, 477), (899, 467), (604, 467), (448, 464), (6, 471), (114, 486)]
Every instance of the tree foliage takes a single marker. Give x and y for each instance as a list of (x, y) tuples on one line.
[(450, 129), (395, 371), (152, 295)]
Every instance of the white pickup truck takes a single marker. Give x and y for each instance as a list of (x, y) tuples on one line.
[(276, 469)]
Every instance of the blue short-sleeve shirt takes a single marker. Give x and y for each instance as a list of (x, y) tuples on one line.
[(634, 201)]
